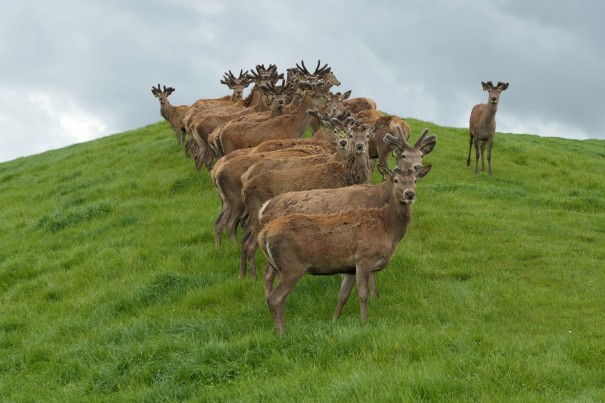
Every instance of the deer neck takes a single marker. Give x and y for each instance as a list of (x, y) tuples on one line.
[(396, 217), (358, 169), (234, 98), (254, 100), (166, 109), (299, 119), (489, 113)]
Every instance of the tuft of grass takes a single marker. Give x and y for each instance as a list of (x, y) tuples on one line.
[(111, 287)]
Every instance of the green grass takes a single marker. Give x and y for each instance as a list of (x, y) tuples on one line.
[(111, 288)]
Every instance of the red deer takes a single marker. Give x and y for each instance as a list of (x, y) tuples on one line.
[(339, 200), (236, 84), (207, 121), (228, 171), (482, 125), (290, 125), (173, 114), (332, 174), (354, 243)]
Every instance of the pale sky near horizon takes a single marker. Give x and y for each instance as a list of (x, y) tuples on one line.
[(76, 70)]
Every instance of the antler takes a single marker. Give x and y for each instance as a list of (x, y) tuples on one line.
[(319, 72), (399, 141), (167, 90)]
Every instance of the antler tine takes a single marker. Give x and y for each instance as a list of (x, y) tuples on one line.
[(268, 86), (303, 69), (252, 75), (490, 84), (401, 137), (287, 87), (389, 138), (321, 71), (421, 138), (342, 115)]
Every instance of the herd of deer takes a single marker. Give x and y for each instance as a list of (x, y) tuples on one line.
[(310, 204)]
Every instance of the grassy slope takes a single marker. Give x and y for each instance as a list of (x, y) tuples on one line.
[(111, 287)]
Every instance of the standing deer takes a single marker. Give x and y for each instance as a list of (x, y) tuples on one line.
[(482, 125), (340, 200), (173, 114), (355, 243), (342, 169)]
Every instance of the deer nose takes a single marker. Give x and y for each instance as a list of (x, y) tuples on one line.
[(410, 194), (342, 143), (359, 146)]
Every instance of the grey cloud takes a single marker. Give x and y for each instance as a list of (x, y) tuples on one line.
[(97, 61)]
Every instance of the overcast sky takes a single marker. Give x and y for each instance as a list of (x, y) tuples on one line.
[(75, 70)]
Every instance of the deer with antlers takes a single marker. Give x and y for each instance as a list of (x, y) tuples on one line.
[(173, 114), (346, 169), (206, 122), (354, 243), (290, 125), (482, 124), (339, 200)]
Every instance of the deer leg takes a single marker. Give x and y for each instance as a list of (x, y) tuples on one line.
[(232, 222), (373, 293), (219, 224), (245, 258), (209, 159), (483, 143), (199, 157), (348, 281), (277, 299), (489, 154), (476, 142), (362, 289), (250, 246), (269, 279), (470, 148)]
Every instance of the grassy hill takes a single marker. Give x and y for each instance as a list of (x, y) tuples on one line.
[(111, 288)]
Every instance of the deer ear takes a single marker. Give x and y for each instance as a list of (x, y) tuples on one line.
[(384, 171), (423, 171), (346, 95), (485, 85), (503, 86), (428, 146)]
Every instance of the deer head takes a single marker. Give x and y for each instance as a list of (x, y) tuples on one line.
[(277, 94), (404, 181), (237, 84), (162, 95), (410, 157), (265, 75), (494, 92), (320, 73)]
